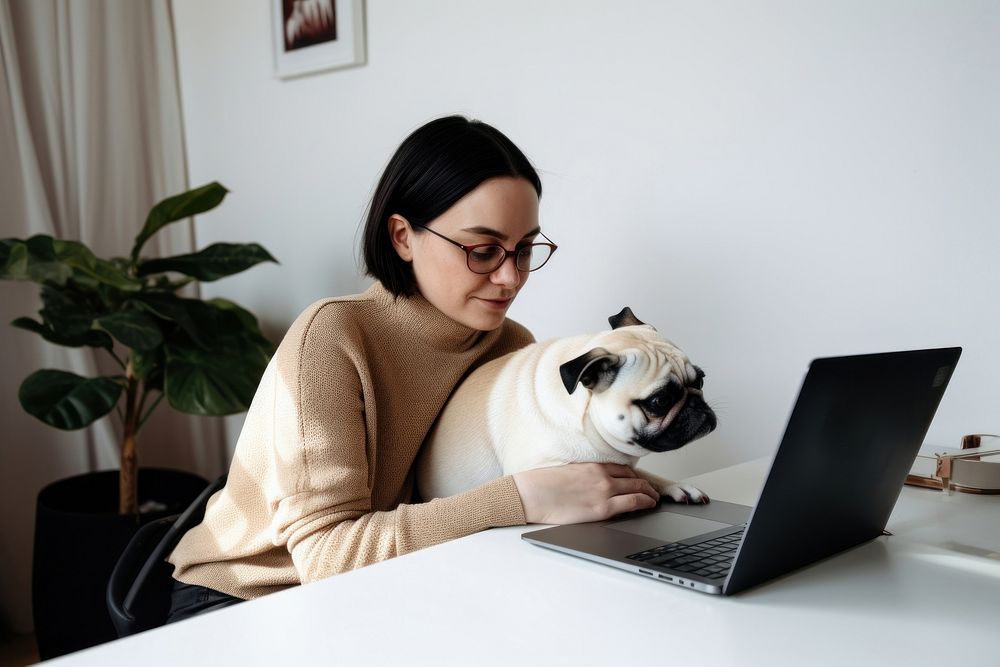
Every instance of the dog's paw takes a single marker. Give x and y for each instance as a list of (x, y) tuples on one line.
[(685, 493)]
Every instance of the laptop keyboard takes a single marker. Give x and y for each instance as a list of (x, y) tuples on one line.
[(710, 559)]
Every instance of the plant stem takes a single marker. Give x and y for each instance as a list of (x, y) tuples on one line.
[(127, 474), (117, 358)]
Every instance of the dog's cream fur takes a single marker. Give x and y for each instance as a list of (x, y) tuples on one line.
[(515, 413)]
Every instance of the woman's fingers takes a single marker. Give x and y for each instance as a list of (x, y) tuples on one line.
[(580, 492), (631, 494), (628, 503), (635, 485)]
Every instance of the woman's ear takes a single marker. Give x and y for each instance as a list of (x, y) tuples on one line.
[(401, 235)]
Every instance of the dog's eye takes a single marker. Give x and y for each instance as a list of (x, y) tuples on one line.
[(699, 380), (657, 405)]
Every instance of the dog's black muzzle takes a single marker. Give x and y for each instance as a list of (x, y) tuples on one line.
[(696, 420)]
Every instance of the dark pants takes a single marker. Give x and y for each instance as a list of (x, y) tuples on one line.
[(189, 600)]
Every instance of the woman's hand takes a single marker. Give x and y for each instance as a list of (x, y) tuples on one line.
[(579, 492)]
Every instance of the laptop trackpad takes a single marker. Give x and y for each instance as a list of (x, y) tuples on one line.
[(667, 526)]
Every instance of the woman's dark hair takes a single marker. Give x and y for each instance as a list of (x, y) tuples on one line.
[(434, 167)]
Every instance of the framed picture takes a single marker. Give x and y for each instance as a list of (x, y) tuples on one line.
[(317, 35)]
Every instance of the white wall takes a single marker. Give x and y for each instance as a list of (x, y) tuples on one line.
[(763, 181)]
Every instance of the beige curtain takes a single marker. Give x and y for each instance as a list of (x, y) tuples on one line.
[(90, 139)]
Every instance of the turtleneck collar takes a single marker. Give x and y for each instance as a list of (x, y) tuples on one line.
[(419, 319)]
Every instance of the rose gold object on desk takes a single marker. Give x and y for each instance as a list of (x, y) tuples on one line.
[(968, 469)]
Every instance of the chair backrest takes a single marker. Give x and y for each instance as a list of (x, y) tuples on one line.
[(133, 618), (138, 593)]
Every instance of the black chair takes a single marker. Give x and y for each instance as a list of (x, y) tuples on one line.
[(138, 594)]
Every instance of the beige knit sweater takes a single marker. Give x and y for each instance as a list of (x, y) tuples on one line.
[(322, 478)]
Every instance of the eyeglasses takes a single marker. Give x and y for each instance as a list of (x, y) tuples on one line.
[(488, 257)]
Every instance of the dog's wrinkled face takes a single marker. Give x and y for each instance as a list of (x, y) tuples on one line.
[(646, 396)]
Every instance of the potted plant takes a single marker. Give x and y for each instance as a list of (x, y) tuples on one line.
[(204, 356)]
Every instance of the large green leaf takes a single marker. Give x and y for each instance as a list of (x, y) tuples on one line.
[(13, 259), (216, 261), (91, 338), (49, 261), (32, 259), (213, 382), (29, 324), (67, 401), (66, 312), (249, 321), (83, 261), (68, 318), (177, 208), (207, 325), (133, 329)]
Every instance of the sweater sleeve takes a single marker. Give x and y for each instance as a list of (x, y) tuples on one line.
[(322, 502), (492, 505), (330, 542)]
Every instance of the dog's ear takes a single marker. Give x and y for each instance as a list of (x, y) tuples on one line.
[(626, 318), (595, 370)]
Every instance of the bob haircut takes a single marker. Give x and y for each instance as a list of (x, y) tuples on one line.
[(434, 167)]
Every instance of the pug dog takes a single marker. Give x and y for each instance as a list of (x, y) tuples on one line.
[(611, 397)]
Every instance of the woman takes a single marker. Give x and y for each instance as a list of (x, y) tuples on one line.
[(322, 478)]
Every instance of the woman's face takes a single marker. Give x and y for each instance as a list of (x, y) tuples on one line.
[(501, 210)]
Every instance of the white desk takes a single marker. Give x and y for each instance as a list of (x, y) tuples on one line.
[(493, 599)]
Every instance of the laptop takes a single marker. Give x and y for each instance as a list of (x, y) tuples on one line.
[(852, 436)]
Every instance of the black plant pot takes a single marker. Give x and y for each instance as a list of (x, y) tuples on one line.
[(78, 538)]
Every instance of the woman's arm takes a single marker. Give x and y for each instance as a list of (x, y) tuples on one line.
[(344, 540), (320, 477)]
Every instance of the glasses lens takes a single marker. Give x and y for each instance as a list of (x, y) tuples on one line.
[(533, 257), (485, 259)]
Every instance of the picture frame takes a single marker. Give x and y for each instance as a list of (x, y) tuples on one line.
[(311, 36)]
